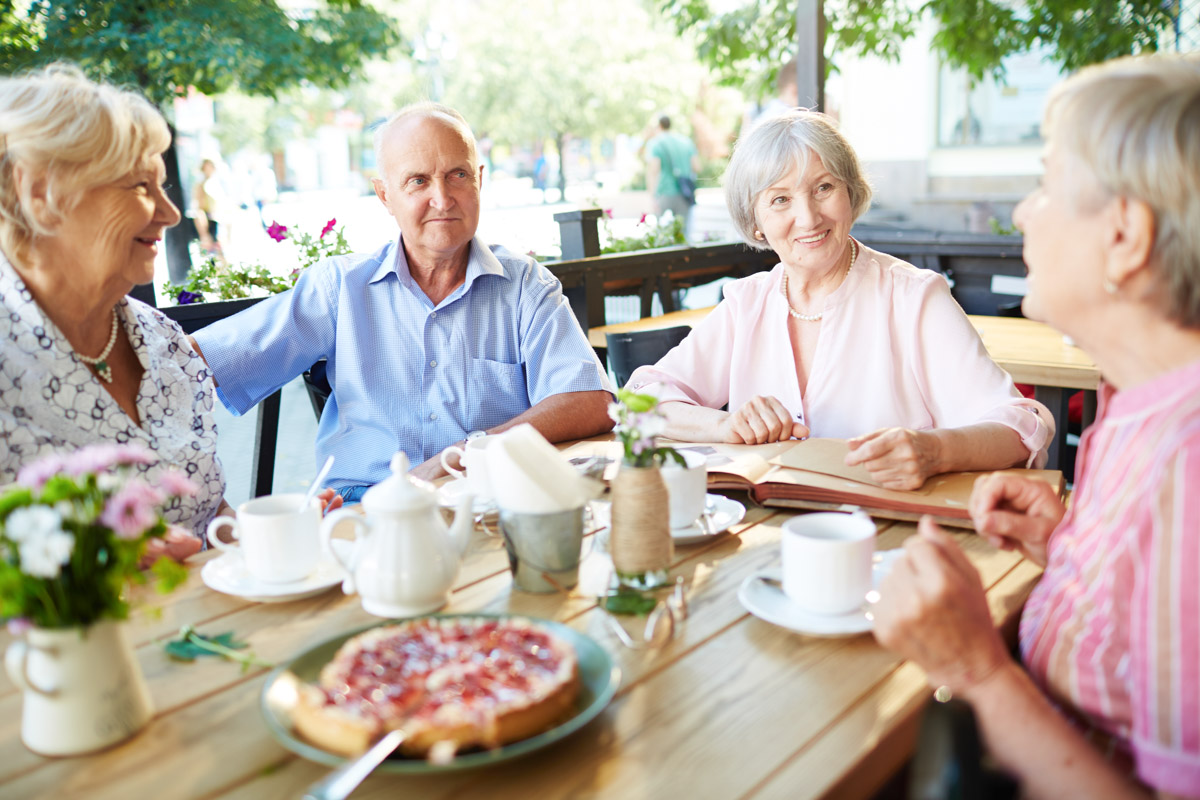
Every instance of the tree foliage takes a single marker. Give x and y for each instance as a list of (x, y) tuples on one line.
[(167, 46), (747, 45)]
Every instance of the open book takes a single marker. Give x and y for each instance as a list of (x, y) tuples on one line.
[(812, 474)]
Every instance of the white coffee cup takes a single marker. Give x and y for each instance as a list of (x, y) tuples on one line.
[(827, 561), (473, 459), (278, 543), (686, 487)]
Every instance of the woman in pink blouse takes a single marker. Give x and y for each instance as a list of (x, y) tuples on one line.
[(1110, 705), (838, 340)]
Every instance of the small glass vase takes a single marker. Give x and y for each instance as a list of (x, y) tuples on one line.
[(640, 539)]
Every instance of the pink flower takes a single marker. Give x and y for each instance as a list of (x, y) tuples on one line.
[(132, 510), (608, 213), (176, 484), (100, 457), (19, 626), (642, 221), (36, 473), (277, 232), (328, 227)]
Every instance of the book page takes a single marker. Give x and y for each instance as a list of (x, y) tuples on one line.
[(827, 456)]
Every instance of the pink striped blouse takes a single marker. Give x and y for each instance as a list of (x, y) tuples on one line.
[(895, 350), (1112, 631)]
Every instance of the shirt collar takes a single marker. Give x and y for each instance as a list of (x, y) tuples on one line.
[(481, 261)]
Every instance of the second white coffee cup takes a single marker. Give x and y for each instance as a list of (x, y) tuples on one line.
[(827, 561), (278, 543), (686, 487), (473, 458)]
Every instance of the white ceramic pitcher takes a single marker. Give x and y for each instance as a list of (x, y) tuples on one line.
[(83, 688), (405, 559)]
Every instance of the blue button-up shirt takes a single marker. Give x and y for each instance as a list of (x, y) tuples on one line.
[(406, 374)]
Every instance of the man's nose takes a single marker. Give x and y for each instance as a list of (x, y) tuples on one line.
[(439, 195)]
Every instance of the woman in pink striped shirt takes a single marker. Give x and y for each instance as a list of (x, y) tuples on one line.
[(1110, 705)]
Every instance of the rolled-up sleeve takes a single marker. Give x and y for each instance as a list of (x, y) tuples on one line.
[(960, 382), (556, 353)]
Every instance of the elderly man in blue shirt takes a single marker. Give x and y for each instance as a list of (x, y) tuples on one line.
[(430, 338)]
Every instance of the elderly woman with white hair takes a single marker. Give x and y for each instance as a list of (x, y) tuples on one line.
[(838, 340), (82, 212), (1108, 702)]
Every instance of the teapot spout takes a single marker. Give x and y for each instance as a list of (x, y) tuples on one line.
[(464, 523)]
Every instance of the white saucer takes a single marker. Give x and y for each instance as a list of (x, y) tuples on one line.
[(725, 513), (768, 602), (450, 492), (228, 575)]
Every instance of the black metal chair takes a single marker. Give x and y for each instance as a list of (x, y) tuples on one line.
[(949, 763), (628, 351), (317, 384)]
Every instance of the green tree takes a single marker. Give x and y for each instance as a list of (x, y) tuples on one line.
[(747, 45), (259, 47)]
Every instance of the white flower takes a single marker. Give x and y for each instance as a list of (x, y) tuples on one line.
[(44, 555), (108, 482), (32, 522), (614, 411)]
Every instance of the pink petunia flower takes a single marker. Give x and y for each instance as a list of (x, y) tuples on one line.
[(608, 213), (176, 484), (642, 221), (277, 232), (328, 227), (132, 510)]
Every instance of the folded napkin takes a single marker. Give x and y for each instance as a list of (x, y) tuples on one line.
[(530, 476)]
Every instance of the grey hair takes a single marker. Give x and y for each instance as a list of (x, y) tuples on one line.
[(772, 148), (428, 110), (1135, 123), (74, 134)]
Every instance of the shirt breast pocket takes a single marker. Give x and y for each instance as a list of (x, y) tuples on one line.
[(498, 392)]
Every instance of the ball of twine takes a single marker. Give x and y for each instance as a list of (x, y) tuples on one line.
[(640, 540)]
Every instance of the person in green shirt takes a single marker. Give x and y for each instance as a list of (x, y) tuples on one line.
[(670, 157)]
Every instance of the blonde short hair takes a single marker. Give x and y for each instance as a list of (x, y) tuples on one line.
[(73, 133), (428, 110), (775, 145), (1135, 123)]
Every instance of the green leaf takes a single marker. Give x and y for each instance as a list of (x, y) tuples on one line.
[(626, 600), (637, 403), (190, 645)]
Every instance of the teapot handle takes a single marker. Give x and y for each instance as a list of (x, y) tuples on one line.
[(360, 525)]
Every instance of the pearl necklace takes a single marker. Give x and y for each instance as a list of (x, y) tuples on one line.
[(100, 362), (813, 317)]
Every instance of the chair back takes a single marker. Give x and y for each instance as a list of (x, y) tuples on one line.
[(628, 351), (317, 384)]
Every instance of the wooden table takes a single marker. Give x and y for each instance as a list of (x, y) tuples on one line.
[(733, 707), (1031, 352)]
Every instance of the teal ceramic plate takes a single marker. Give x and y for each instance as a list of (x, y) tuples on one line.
[(598, 675)]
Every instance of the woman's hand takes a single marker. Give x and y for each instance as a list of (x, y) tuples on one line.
[(1015, 512), (761, 420), (330, 500), (176, 543), (932, 610), (898, 458)]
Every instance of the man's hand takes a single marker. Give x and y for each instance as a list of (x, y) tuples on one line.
[(932, 610), (760, 420), (898, 458), (430, 470), (1015, 512)]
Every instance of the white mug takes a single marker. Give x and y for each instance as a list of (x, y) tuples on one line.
[(475, 467), (687, 487), (827, 561), (278, 542)]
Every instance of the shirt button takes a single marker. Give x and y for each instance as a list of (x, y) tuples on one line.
[(433, 363), (433, 415), (433, 315)]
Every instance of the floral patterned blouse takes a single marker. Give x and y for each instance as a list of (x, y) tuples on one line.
[(51, 402)]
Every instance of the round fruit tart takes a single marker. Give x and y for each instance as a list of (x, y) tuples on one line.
[(452, 682)]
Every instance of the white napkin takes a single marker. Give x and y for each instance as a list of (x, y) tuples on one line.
[(529, 475)]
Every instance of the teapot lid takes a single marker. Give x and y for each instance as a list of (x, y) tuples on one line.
[(400, 491)]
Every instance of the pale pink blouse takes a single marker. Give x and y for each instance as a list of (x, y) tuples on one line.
[(895, 350)]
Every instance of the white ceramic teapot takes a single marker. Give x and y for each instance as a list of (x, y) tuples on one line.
[(405, 559)]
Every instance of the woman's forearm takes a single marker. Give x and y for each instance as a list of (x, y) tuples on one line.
[(983, 446), (1033, 742), (692, 423)]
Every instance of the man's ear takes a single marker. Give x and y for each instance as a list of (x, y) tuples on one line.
[(1131, 239), (380, 189)]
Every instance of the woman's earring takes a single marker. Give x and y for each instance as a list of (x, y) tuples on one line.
[(1110, 287), (758, 235)]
